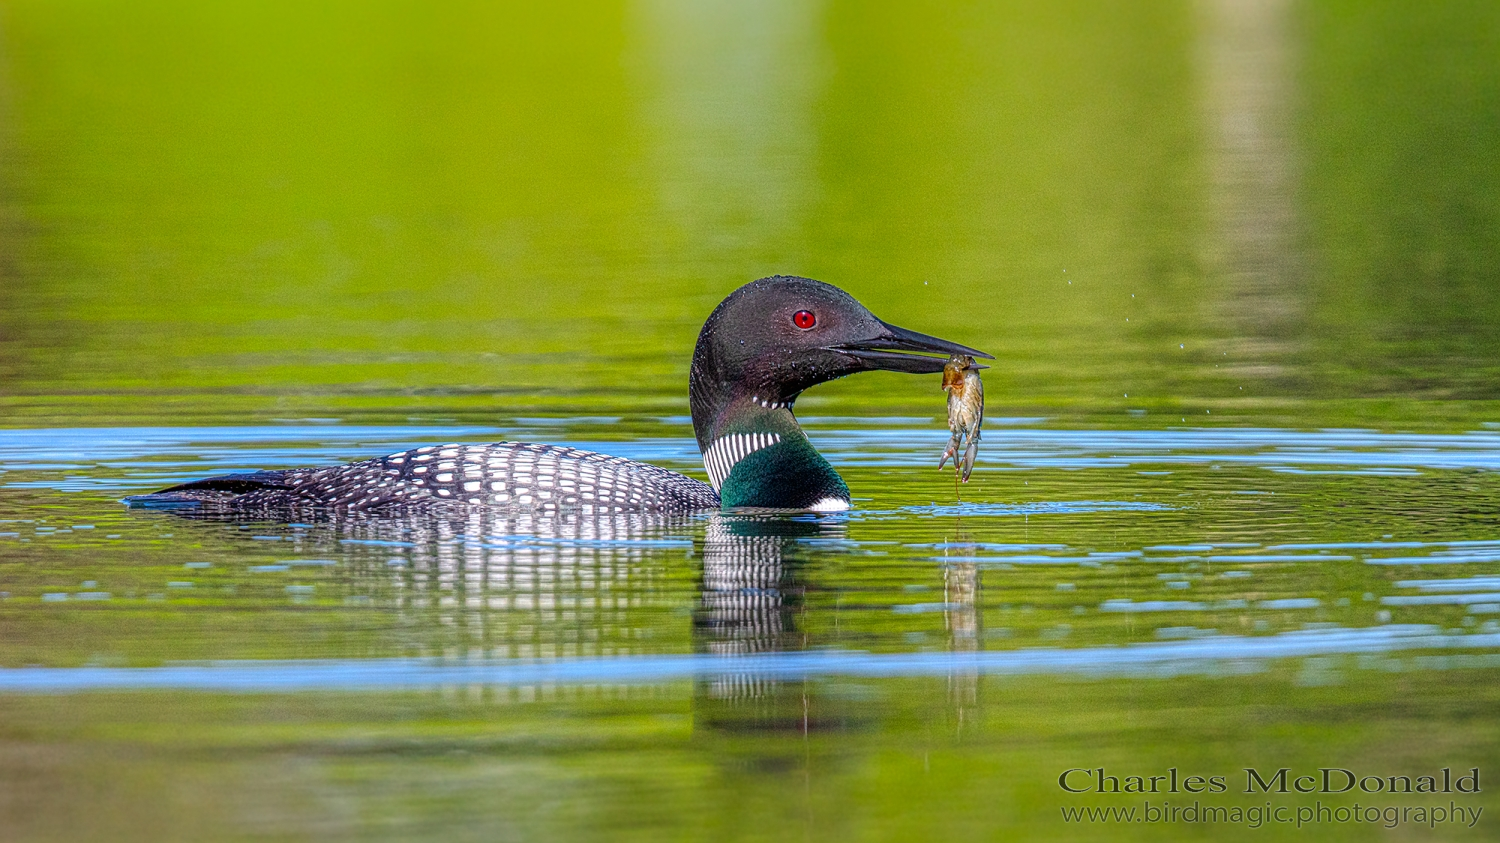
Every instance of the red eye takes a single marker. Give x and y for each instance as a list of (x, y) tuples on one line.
[(804, 319)]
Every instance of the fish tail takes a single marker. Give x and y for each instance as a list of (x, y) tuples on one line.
[(969, 454), (951, 451)]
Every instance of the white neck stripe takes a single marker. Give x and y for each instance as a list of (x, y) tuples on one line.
[(726, 452)]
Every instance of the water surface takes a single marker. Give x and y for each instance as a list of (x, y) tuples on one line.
[(1193, 593)]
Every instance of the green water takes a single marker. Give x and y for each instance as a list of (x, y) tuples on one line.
[(1238, 264)]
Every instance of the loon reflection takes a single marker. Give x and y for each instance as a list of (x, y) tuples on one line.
[(560, 578), (487, 585), (758, 351), (749, 601)]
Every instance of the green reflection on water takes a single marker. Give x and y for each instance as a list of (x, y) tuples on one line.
[(369, 210), (880, 760)]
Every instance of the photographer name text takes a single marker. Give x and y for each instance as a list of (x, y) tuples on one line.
[(1282, 780)]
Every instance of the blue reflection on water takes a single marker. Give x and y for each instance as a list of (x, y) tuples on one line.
[(152, 455), (1208, 654)]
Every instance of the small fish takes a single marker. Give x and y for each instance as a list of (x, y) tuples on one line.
[(965, 412)]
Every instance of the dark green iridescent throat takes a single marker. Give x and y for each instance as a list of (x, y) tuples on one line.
[(763, 459)]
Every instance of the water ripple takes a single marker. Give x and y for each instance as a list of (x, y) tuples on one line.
[(168, 453), (1210, 654)]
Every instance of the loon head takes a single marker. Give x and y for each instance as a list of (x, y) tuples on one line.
[(760, 348)]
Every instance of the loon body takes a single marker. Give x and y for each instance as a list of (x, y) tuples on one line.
[(760, 348), (509, 475)]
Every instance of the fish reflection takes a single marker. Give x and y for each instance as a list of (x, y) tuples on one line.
[(965, 624)]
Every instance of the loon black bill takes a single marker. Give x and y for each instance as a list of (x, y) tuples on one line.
[(899, 350)]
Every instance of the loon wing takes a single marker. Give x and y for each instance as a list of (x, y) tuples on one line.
[(223, 488), (509, 475)]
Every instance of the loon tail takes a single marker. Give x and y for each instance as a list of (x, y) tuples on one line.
[(220, 489)]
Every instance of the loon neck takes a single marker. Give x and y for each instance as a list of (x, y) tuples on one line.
[(757, 456)]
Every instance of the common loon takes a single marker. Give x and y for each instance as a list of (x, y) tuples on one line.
[(760, 348)]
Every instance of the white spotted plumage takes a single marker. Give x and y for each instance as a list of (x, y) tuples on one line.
[(543, 478)]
